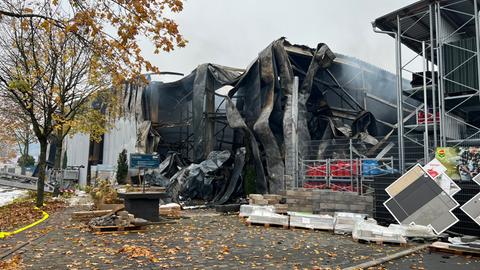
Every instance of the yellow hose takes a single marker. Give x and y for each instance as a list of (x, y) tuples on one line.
[(44, 217)]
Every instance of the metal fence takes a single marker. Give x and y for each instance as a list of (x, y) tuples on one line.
[(352, 164)]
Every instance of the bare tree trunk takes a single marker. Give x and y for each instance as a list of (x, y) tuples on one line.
[(25, 154), (42, 161)]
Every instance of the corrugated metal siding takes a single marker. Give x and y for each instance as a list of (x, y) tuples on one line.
[(467, 73), (77, 148), (122, 136)]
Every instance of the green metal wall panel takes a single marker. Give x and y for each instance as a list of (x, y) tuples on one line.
[(454, 70)]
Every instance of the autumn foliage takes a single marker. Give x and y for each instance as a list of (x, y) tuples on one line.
[(64, 62), (112, 28)]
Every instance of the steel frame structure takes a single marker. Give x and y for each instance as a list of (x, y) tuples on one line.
[(432, 57)]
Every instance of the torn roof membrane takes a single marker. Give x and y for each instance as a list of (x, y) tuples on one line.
[(190, 117)]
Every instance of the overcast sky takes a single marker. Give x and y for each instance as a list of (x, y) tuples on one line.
[(232, 33)]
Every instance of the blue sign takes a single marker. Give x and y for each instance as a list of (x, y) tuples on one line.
[(144, 161)]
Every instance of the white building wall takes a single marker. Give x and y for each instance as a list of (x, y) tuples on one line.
[(122, 136), (77, 148)]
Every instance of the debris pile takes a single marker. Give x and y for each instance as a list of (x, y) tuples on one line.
[(117, 219)]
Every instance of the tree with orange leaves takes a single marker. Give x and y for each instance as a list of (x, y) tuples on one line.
[(60, 59)]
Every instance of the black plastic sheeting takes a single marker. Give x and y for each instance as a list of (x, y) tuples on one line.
[(234, 187), (187, 114)]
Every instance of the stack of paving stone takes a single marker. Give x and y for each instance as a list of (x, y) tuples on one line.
[(309, 221), (345, 222), (268, 200), (257, 199), (328, 202), (300, 200)]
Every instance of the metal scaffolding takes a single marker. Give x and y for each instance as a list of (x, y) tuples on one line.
[(438, 32)]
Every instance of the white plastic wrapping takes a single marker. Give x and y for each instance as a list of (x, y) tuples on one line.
[(368, 230), (310, 221), (344, 222), (413, 230), (247, 209), (266, 216)]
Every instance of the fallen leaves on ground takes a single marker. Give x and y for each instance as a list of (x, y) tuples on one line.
[(15, 263), (22, 213), (138, 251)]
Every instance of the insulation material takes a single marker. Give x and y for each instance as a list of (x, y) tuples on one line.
[(413, 231), (302, 220), (246, 210), (344, 222), (368, 230), (417, 199), (262, 216)]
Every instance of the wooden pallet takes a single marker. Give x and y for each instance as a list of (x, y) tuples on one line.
[(380, 243), (266, 225), (115, 229), (87, 215), (444, 248), (311, 229)]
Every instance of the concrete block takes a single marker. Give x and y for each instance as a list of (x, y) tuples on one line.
[(255, 196)]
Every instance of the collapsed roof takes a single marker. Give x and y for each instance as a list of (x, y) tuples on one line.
[(338, 97)]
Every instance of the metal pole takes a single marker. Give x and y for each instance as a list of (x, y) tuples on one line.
[(440, 72), (351, 162), (401, 154), (425, 100), (477, 39), (432, 62), (294, 128)]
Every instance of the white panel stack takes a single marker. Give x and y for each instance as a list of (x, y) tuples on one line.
[(247, 209), (344, 222), (310, 221), (262, 216), (413, 230), (368, 230)]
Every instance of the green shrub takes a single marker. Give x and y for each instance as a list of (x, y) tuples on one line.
[(122, 167), (26, 161)]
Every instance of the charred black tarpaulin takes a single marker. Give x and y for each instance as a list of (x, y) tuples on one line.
[(265, 112), (192, 119)]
